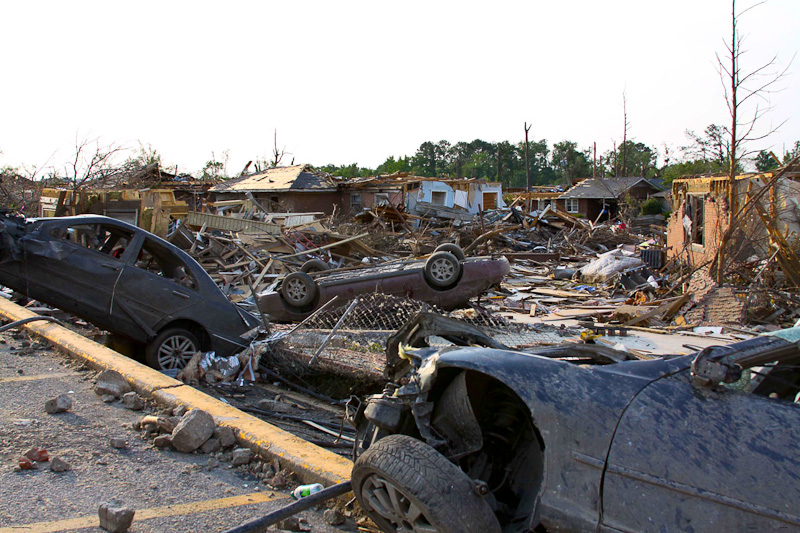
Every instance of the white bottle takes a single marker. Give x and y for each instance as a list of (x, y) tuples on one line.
[(306, 490)]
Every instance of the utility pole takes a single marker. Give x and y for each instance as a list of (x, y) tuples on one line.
[(594, 159), (527, 167), (624, 135)]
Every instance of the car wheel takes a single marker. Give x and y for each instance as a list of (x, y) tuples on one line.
[(298, 289), (406, 486), (453, 249), (172, 349), (442, 270), (314, 265)]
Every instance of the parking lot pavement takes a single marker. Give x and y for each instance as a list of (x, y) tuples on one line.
[(169, 490)]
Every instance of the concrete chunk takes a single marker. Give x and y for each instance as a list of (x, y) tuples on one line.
[(59, 404), (111, 382), (226, 436), (114, 517), (57, 464), (241, 456), (192, 431), (132, 401)]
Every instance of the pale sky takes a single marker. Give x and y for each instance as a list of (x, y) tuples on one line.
[(355, 82)]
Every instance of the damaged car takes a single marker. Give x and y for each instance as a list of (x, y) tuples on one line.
[(124, 280), (446, 279), (580, 437)]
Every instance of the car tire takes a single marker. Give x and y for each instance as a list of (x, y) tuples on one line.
[(298, 289), (403, 484), (453, 249), (314, 265), (442, 270), (172, 349)]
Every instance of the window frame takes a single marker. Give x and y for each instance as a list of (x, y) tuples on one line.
[(568, 202)]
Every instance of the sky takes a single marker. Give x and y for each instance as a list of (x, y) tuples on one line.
[(355, 82)]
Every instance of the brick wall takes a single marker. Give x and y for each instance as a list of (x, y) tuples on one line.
[(714, 225)]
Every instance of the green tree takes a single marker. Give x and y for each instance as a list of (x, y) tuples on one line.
[(539, 153), (569, 162), (791, 154), (392, 165), (347, 171), (640, 159), (214, 168), (431, 159), (765, 161), (711, 146)]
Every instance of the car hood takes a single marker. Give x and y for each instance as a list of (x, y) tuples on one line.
[(499, 362)]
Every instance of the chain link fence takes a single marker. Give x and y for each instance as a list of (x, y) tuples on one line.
[(352, 338)]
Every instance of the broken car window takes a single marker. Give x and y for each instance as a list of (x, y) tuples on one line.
[(109, 240), (162, 262)]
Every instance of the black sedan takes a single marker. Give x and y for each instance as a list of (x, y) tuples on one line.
[(578, 438), (124, 280)]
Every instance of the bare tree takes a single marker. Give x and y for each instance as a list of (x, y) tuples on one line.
[(91, 162), (277, 154), (741, 89)]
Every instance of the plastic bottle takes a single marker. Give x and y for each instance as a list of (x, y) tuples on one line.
[(306, 490)]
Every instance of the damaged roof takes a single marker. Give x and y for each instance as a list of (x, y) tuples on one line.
[(609, 188), (294, 178)]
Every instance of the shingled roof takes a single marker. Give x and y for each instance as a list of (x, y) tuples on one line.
[(606, 188), (280, 179)]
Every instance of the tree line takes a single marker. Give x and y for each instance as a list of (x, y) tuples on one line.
[(562, 162)]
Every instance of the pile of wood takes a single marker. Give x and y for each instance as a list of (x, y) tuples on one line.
[(243, 263)]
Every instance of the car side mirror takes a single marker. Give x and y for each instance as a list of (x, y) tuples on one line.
[(710, 369)]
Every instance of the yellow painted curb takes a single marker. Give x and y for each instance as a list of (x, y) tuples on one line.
[(318, 464), (311, 463), (143, 379)]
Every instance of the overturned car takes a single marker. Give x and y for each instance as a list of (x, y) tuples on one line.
[(446, 279), (124, 280), (580, 437)]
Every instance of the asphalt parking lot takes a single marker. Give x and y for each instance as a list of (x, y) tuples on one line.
[(169, 490)]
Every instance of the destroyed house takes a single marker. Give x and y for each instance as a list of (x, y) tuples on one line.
[(594, 197), (422, 196), (297, 188), (769, 226), (538, 198), (147, 197), (468, 195)]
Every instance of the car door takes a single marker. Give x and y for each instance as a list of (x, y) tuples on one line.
[(75, 267), (686, 458), (154, 287)]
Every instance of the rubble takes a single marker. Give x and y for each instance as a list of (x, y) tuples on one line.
[(37, 454), (194, 428), (241, 456), (110, 382), (57, 464), (118, 443), (114, 517), (132, 401), (210, 446), (59, 404), (225, 436), (162, 441)]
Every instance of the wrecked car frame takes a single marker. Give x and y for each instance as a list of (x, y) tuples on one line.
[(124, 280), (446, 279), (572, 440)]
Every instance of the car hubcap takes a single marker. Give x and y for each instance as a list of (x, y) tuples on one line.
[(175, 352), (393, 505), (442, 270), (296, 290)]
